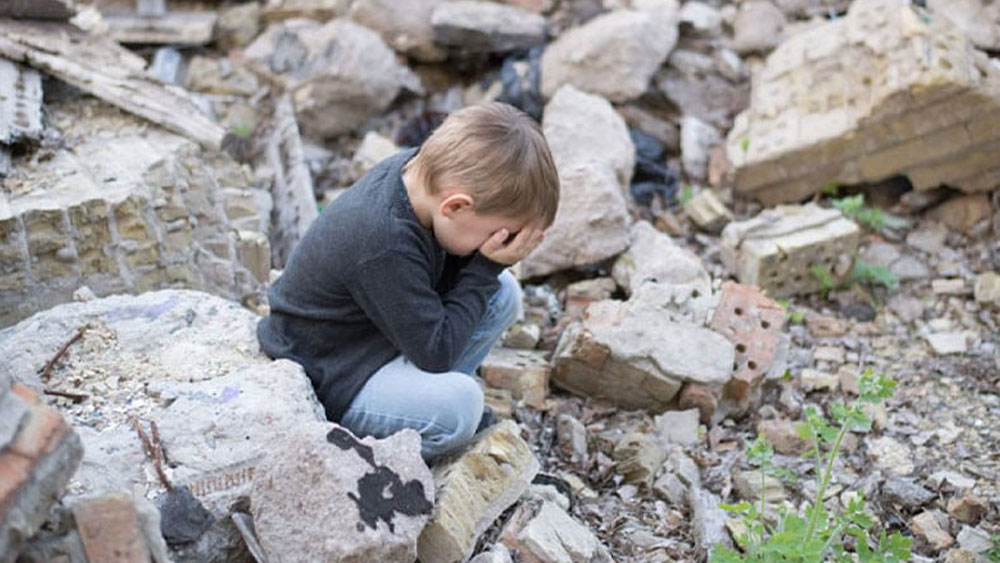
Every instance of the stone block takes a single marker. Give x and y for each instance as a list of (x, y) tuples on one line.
[(777, 249), (327, 496), (476, 27), (987, 289), (749, 487), (638, 457), (109, 528), (903, 102), (553, 535), (707, 211), (473, 490), (632, 355), (524, 373)]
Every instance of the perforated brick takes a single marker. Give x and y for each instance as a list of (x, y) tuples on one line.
[(753, 323), (778, 249)]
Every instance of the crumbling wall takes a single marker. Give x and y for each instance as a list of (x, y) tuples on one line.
[(121, 206)]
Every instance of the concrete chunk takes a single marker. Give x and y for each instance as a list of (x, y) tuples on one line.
[(473, 490), (479, 27), (778, 249), (553, 536), (524, 372), (110, 531), (910, 97)]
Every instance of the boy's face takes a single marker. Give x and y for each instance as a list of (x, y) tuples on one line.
[(462, 233)]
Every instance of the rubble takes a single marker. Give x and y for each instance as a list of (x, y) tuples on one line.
[(987, 289), (552, 535), (110, 530), (926, 527), (524, 373), (909, 98), (638, 457), (39, 452), (106, 70), (967, 508), (185, 360), (632, 355), (778, 249), (57, 10), (758, 27), (697, 140), (473, 490), (707, 211), (595, 158), (977, 19), (339, 74), (237, 25), (614, 55), (407, 31), (130, 208), (478, 27), (325, 495), (963, 213), (171, 28)]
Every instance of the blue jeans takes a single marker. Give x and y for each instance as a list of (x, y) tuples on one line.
[(444, 408)]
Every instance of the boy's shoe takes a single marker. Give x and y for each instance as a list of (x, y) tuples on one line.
[(488, 419)]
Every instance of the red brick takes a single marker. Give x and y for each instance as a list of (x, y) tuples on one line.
[(753, 323), (41, 433), (109, 529)]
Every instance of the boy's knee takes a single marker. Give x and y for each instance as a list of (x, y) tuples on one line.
[(458, 419), (508, 298)]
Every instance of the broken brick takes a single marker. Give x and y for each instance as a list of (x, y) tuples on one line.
[(109, 529)]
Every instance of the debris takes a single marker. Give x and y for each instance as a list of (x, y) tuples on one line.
[(950, 286), (945, 343), (891, 456), (108, 71), (758, 27), (632, 355), (110, 530), (613, 55), (967, 508), (679, 427), (975, 540), (571, 435), (291, 183), (595, 159), (906, 494), (524, 373), (473, 490), (638, 457), (38, 9), (20, 104), (697, 140), (782, 436), (75, 397), (964, 212), (700, 19), (39, 454), (329, 496), (952, 478), (748, 486), (219, 76), (486, 27), (184, 29), (925, 526), (930, 119), (781, 249), (987, 289), (407, 31), (815, 380), (709, 520), (373, 149), (707, 211), (522, 336), (237, 25), (553, 535), (244, 523), (338, 74)]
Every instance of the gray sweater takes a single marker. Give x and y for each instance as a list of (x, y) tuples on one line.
[(367, 283)]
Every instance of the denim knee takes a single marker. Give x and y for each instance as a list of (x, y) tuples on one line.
[(506, 303), (461, 408)]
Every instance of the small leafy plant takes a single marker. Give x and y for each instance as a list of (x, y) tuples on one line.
[(687, 192), (794, 316), (854, 207), (816, 534), (874, 275), (827, 282)]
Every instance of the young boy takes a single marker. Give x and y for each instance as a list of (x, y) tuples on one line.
[(398, 291)]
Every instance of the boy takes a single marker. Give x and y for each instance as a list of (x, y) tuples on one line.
[(398, 291)]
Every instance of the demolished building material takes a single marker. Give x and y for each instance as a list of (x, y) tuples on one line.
[(887, 90), (789, 250), (172, 28), (126, 208), (38, 9), (105, 69)]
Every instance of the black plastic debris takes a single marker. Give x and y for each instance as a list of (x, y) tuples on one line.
[(523, 91), (415, 131), (651, 176), (183, 519)]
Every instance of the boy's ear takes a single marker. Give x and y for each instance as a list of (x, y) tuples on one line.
[(455, 203)]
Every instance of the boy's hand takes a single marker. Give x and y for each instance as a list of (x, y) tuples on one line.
[(498, 249)]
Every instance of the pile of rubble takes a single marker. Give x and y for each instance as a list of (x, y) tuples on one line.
[(179, 172)]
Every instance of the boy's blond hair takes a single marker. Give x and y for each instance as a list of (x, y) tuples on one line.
[(497, 153)]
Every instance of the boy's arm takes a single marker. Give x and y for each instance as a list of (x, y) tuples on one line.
[(396, 291)]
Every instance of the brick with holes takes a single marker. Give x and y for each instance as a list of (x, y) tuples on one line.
[(753, 323), (788, 250)]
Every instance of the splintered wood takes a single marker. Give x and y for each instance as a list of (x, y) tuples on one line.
[(108, 71)]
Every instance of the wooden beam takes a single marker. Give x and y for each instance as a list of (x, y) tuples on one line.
[(108, 71)]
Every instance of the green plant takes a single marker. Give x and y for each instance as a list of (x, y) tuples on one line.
[(831, 189), (686, 194), (993, 554), (794, 316), (745, 144), (854, 207), (242, 130), (827, 282), (816, 534), (874, 275)]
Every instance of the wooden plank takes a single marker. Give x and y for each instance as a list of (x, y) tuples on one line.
[(172, 28), (20, 103), (292, 189), (108, 71), (37, 9)]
